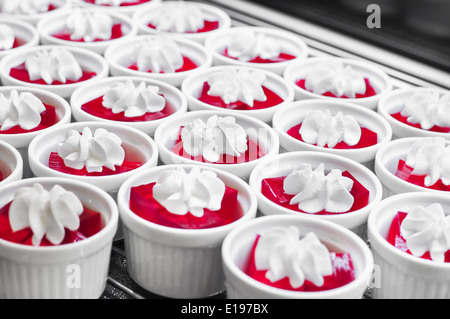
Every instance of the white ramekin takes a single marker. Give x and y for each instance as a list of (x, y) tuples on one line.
[(77, 270), (393, 102), (128, 10), (134, 142), (56, 23), (178, 263), (399, 275), (88, 93), (167, 133), (88, 60), (294, 114), (192, 87), (289, 42), (210, 12), (237, 247), (61, 5), (23, 31), (11, 164), (21, 141), (381, 82), (386, 164), (283, 164), (119, 56)]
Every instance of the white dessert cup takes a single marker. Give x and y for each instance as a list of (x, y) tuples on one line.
[(172, 262), (380, 81), (72, 271), (238, 244), (295, 113), (210, 12), (128, 10), (393, 102), (399, 275), (283, 165), (167, 133), (23, 31), (88, 93), (289, 43), (87, 59), (22, 141), (386, 164), (11, 164), (56, 23), (119, 57), (33, 18), (192, 87)]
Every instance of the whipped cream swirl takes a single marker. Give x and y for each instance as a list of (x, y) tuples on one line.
[(323, 128), (427, 229), (216, 137), (335, 77), (54, 65), (158, 54), (47, 213), (314, 191), (7, 37), (281, 251), (238, 84), (89, 25), (133, 100), (181, 192), (24, 6), (430, 156), (428, 108), (248, 45), (22, 109), (93, 151), (114, 3), (179, 17)]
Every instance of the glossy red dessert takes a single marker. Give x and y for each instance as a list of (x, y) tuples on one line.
[(208, 26), (116, 33), (272, 100), (20, 73), (90, 224), (272, 188), (404, 119), (125, 4), (187, 66), (17, 43), (96, 108), (343, 273), (253, 152), (57, 163), (370, 91), (405, 173), (396, 239), (281, 58), (368, 138), (145, 206), (48, 118), (1, 176)]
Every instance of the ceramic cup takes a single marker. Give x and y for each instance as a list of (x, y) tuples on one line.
[(24, 32), (11, 164)]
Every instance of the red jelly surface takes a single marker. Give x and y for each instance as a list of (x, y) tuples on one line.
[(404, 119), (370, 91), (368, 138), (57, 163), (397, 240), (96, 108), (1, 176), (187, 66), (209, 26), (125, 4), (281, 58), (90, 224), (48, 118), (115, 34), (253, 152), (145, 206), (17, 43), (272, 188), (272, 100), (343, 273), (405, 173), (20, 73)]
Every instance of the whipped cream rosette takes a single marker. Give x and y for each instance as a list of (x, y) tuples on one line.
[(24, 6), (89, 25), (7, 37), (249, 45)]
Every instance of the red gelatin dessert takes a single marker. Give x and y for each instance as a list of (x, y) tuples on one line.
[(370, 91), (208, 26), (48, 119), (281, 58), (405, 173), (188, 65), (404, 119)]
